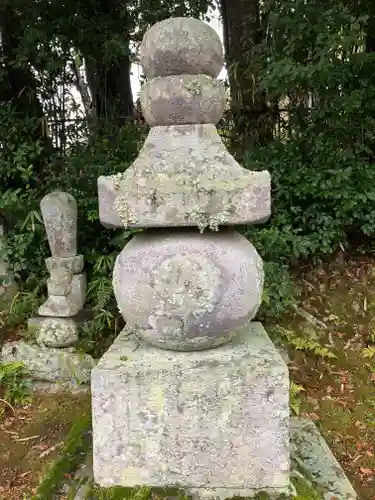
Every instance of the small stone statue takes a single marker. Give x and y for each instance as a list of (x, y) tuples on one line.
[(49, 355), (67, 284)]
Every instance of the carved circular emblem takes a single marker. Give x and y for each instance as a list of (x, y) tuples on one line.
[(185, 286)]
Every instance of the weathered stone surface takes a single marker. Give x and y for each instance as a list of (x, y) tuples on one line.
[(72, 264), (56, 332), (311, 455), (60, 282), (186, 290), (59, 212), (181, 46), (49, 364), (182, 99), (66, 305), (34, 323), (218, 418), (184, 176), (60, 387)]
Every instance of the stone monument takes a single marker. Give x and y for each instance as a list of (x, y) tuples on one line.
[(67, 284), (191, 393), (51, 356)]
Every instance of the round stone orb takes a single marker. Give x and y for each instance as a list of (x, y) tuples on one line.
[(182, 99), (188, 291), (181, 45)]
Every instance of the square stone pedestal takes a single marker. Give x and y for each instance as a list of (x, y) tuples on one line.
[(214, 423)]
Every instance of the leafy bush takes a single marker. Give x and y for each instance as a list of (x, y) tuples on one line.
[(301, 342), (14, 388), (321, 160), (280, 292), (76, 172)]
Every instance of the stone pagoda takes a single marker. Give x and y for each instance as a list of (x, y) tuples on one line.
[(191, 394)]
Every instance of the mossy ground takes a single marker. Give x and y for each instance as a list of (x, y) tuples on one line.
[(340, 393), (32, 439)]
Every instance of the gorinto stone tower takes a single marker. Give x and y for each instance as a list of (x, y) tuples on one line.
[(195, 396)]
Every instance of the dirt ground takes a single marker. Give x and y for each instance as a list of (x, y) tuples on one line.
[(340, 393), (30, 439)]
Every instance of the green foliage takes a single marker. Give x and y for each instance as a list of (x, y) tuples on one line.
[(321, 160), (304, 489), (23, 306), (295, 399), (139, 493), (280, 291), (72, 454), (369, 352), (119, 493), (301, 342), (14, 388)]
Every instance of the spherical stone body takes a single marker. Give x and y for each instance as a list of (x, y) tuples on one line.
[(179, 46), (188, 291), (182, 99)]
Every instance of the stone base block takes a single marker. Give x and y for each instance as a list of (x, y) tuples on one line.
[(313, 458), (49, 364), (216, 419)]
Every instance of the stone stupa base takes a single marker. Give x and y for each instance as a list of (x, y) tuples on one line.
[(196, 420)]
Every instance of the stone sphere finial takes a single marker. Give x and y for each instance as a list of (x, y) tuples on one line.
[(181, 58), (179, 46)]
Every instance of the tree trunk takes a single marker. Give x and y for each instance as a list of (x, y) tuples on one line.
[(242, 35), (17, 83), (110, 87), (108, 78)]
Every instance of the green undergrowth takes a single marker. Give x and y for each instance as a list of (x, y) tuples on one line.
[(72, 455), (14, 387), (304, 491)]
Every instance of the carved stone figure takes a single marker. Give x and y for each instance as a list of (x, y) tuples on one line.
[(67, 283)]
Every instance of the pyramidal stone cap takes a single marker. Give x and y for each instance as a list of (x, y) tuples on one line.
[(184, 175)]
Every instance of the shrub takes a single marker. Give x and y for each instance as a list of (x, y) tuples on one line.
[(321, 161)]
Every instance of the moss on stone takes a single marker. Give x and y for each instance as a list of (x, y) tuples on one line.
[(304, 491), (141, 493)]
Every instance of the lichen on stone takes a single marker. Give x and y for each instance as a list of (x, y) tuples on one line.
[(127, 215), (202, 199), (185, 286), (116, 179), (194, 87)]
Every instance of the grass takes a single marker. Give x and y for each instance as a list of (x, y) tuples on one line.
[(72, 454), (31, 439), (304, 492)]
